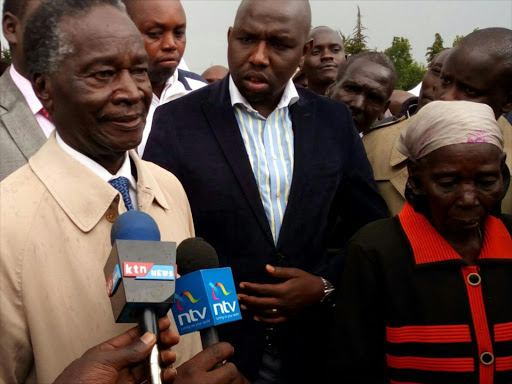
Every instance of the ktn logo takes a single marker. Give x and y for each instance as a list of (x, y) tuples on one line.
[(221, 286), (189, 296), (148, 271)]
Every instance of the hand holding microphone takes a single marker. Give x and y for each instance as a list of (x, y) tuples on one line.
[(141, 285), (121, 360)]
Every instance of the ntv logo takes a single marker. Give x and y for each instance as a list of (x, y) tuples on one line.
[(192, 315), (223, 307)]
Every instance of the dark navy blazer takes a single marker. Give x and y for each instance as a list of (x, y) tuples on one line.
[(198, 139)]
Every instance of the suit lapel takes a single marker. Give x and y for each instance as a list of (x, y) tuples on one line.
[(18, 119), (302, 113), (219, 112)]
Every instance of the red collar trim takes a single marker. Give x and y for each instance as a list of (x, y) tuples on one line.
[(430, 247)]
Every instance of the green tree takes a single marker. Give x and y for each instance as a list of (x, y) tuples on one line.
[(409, 72), (355, 42), (435, 48), (457, 39), (6, 56)]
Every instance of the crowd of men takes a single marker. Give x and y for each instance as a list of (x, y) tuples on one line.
[(275, 175)]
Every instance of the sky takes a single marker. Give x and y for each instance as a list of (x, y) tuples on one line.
[(418, 20)]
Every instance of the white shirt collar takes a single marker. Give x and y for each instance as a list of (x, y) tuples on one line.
[(289, 97), (125, 170), (26, 90), (168, 84)]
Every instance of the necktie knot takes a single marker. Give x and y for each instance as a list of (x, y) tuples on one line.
[(122, 184)]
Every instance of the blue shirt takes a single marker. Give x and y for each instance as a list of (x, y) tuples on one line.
[(269, 146)]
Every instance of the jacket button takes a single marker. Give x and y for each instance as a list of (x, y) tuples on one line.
[(110, 216), (474, 279), (487, 358), (280, 257)]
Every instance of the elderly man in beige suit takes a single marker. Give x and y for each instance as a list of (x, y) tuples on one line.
[(23, 125), (57, 211)]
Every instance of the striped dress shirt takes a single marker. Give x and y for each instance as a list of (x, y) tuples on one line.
[(269, 146)]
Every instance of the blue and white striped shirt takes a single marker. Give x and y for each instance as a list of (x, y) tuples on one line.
[(269, 145)]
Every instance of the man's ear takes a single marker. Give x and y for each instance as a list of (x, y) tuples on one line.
[(44, 90), (414, 180), (307, 48), (229, 32), (10, 25)]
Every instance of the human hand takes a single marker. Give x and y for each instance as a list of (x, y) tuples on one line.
[(276, 303), (199, 369), (121, 360)]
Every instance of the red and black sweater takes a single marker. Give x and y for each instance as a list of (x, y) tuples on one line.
[(411, 310)]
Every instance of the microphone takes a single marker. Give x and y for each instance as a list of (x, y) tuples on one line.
[(140, 277), (205, 294)]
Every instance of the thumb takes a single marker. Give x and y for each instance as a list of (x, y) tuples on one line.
[(121, 358), (283, 272)]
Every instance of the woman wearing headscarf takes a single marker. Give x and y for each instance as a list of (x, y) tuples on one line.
[(426, 297)]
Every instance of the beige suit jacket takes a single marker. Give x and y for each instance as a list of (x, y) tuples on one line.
[(55, 222), (389, 165), (20, 134)]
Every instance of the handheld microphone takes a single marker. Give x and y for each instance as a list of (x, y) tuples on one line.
[(205, 293), (140, 276)]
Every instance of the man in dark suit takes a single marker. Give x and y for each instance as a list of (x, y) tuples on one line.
[(265, 166)]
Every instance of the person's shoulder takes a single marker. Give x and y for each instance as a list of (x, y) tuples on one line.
[(378, 235), (9, 92), (166, 180), (507, 221), (21, 180), (21, 196), (387, 127), (190, 101), (321, 101), (191, 75)]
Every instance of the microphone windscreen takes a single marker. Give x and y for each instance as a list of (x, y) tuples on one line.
[(194, 254), (134, 225)]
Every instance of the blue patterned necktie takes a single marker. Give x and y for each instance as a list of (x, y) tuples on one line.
[(123, 186)]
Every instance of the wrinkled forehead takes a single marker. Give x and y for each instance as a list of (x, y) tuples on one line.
[(103, 31), (369, 71)]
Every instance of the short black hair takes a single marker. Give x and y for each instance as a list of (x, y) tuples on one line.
[(495, 42), (16, 7), (375, 57), (44, 44)]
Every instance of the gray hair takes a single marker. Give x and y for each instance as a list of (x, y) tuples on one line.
[(45, 45)]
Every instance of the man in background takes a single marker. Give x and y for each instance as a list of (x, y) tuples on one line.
[(215, 73), (365, 83), (321, 64), (389, 165), (24, 124), (163, 26)]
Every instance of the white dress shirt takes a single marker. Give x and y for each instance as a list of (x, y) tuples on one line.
[(173, 90), (33, 102), (125, 170), (269, 144)]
